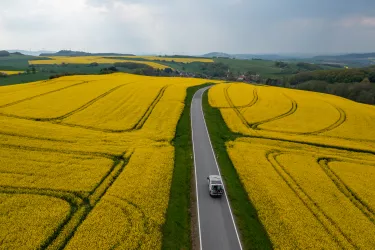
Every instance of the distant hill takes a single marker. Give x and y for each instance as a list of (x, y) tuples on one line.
[(4, 53), (261, 56), (81, 53), (17, 53), (29, 52), (247, 56), (346, 57), (217, 54), (353, 60)]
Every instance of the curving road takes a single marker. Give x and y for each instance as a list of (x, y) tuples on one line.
[(217, 229)]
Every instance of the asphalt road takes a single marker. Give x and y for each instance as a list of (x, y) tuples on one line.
[(217, 228)]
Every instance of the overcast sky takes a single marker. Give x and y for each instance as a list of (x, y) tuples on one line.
[(189, 26)]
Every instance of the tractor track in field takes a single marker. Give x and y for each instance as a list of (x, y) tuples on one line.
[(34, 137), (291, 111), (145, 220), (250, 104), (366, 210), (43, 94), (81, 204), (319, 145), (72, 125), (32, 86), (148, 112), (85, 106), (61, 151), (137, 126), (326, 222), (254, 126), (337, 123), (59, 120), (67, 232), (75, 202), (229, 100)]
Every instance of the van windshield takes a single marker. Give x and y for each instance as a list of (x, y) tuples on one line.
[(216, 182)]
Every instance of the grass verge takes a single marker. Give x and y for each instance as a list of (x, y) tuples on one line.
[(253, 234), (177, 227)]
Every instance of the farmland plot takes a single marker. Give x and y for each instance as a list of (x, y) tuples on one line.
[(306, 161), (80, 151)]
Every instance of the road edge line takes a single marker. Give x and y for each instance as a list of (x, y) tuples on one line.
[(195, 171)]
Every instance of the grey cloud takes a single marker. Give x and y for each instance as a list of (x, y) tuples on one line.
[(190, 26)]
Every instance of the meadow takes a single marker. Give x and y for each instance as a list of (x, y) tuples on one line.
[(306, 161), (86, 162)]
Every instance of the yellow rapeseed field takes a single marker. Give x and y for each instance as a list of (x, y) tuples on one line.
[(176, 59), (86, 162), (306, 161), (11, 72), (91, 59), (27, 220)]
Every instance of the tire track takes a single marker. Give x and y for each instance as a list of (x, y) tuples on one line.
[(72, 125), (61, 151), (254, 126), (337, 123), (58, 120), (66, 233), (238, 113), (328, 224), (291, 111), (366, 210), (34, 137), (148, 112), (75, 202), (251, 103), (146, 221), (81, 206), (318, 145), (83, 107), (43, 94)]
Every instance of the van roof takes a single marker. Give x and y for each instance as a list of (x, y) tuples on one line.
[(215, 177)]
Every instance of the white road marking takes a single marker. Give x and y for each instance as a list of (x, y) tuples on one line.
[(195, 170)]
